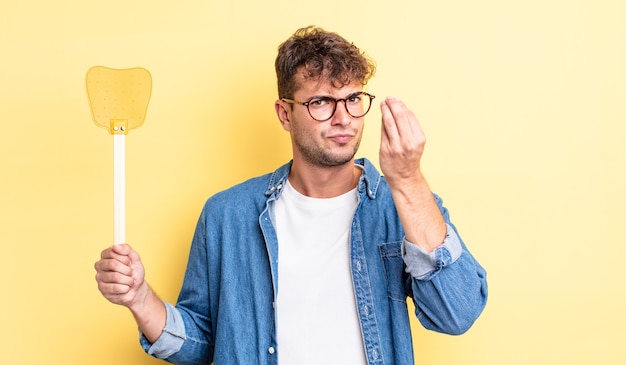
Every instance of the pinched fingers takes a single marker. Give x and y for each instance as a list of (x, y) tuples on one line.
[(389, 131), (402, 140), (400, 126)]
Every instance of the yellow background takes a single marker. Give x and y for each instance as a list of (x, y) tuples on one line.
[(523, 103)]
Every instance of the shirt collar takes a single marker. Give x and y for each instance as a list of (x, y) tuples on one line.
[(368, 183)]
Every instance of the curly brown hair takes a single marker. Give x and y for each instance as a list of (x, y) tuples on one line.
[(320, 54)]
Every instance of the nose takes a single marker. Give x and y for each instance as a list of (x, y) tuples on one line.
[(341, 115)]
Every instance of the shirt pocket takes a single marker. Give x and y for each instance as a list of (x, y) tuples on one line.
[(396, 277)]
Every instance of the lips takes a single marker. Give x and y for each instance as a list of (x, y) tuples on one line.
[(341, 138)]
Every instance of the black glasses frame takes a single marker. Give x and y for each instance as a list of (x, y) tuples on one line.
[(308, 102)]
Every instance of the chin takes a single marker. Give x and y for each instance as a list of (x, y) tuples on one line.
[(333, 161)]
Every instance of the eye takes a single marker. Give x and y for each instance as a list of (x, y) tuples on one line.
[(320, 102), (355, 98)]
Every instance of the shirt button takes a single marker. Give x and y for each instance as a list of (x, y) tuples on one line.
[(358, 266), (271, 350), (366, 310)]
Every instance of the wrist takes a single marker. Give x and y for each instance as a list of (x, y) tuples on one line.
[(149, 313), (413, 185), (143, 298)]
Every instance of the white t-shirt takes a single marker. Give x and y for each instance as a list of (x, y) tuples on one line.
[(317, 320)]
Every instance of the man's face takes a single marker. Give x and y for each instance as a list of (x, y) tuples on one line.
[(333, 142)]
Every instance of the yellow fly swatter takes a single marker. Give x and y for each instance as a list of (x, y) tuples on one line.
[(119, 101)]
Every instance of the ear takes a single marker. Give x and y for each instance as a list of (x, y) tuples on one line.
[(283, 111)]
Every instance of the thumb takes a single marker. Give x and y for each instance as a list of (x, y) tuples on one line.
[(123, 249)]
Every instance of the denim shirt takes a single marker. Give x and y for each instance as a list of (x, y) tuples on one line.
[(225, 311)]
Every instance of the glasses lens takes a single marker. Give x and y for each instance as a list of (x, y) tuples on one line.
[(322, 108), (358, 104)]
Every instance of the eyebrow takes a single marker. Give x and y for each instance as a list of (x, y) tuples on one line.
[(332, 97)]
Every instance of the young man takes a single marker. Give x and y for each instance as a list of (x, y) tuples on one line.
[(313, 263)]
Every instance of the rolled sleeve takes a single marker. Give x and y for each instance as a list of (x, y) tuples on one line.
[(171, 339), (423, 265)]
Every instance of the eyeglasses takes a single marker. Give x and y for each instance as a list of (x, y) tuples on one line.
[(323, 108)]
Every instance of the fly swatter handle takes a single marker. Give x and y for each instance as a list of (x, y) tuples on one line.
[(119, 188)]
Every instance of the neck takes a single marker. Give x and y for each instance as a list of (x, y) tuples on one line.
[(322, 181)]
